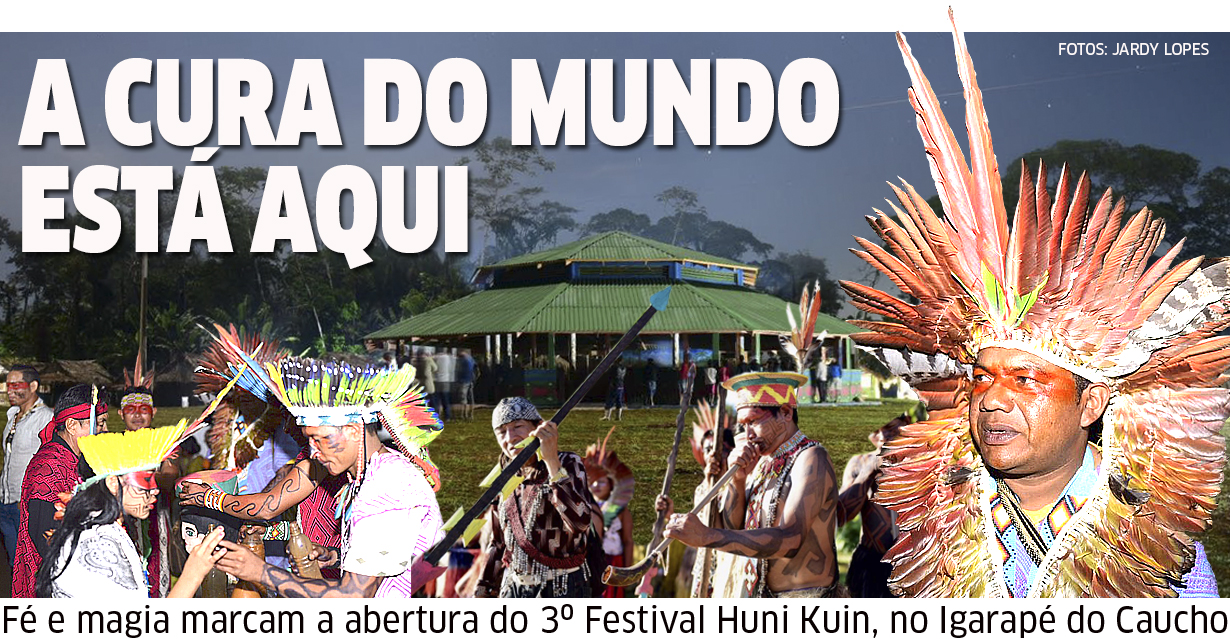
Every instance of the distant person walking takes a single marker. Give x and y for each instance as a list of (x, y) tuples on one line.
[(687, 375), (446, 367), (466, 374), (615, 393), (651, 380)]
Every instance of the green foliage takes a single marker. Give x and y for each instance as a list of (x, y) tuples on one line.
[(787, 273), (1195, 205), (620, 219), (511, 212), (688, 225)]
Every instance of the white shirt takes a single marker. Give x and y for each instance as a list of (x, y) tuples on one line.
[(24, 444), (104, 565), (445, 365)]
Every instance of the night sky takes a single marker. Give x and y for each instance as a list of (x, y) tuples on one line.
[(796, 198)]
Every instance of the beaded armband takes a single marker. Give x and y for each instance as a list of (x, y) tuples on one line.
[(213, 499), (279, 531)]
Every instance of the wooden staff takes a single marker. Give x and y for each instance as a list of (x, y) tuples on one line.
[(705, 555), (656, 303), (680, 422), (615, 576)]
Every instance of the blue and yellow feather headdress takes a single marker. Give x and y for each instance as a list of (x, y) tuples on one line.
[(334, 393)]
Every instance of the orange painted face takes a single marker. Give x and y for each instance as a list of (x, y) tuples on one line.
[(1024, 415), (139, 493)]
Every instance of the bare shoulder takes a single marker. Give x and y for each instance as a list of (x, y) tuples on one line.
[(816, 457), (813, 466)]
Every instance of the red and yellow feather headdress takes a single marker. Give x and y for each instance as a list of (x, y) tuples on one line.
[(1077, 285)]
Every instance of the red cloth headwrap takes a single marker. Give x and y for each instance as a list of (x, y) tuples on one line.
[(76, 412)]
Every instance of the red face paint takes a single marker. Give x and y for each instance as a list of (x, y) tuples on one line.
[(1024, 414), (141, 480)]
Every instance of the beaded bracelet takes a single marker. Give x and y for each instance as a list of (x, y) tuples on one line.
[(279, 531), (560, 476), (213, 499)]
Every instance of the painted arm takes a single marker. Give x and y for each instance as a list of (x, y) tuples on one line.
[(351, 585), (302, 479), (812, 495), (734, 500), (734, 504), (855, 487), (246, 566)]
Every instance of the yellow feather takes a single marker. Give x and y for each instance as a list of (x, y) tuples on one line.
[(473, 529), (130, 451)]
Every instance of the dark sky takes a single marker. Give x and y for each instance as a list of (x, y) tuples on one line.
[(796, 198)]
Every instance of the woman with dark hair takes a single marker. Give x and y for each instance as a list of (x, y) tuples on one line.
[(91, 554)]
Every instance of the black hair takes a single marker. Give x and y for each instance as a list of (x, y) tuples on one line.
[(1082, 385), (728, 437), (206, 520), (134, 389), (28, 373), (1095, 429), (777, 410), (74, 397), (190, 446), (94, 506)]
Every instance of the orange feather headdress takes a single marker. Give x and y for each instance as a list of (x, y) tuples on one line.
[(1074, 283)]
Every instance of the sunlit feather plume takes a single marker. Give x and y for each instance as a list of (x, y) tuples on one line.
[(1073, 281), (802, 342)]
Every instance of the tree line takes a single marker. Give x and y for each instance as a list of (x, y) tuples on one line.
[(78, 306)]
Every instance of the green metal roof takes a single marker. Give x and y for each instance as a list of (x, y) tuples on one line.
[(616, 246), (605, 309)]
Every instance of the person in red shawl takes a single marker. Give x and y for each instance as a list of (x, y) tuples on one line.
[(56, 468)]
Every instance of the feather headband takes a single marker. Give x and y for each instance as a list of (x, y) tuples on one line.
[(130, 451), (1071, 281), (1076, 284), (320, 393)]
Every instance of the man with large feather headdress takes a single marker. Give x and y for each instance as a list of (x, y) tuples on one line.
[(387, 509), (1075, 384)]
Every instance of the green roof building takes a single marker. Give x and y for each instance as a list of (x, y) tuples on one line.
[(578, 298)]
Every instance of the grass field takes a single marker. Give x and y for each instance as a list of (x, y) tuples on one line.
[(466, 451)]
